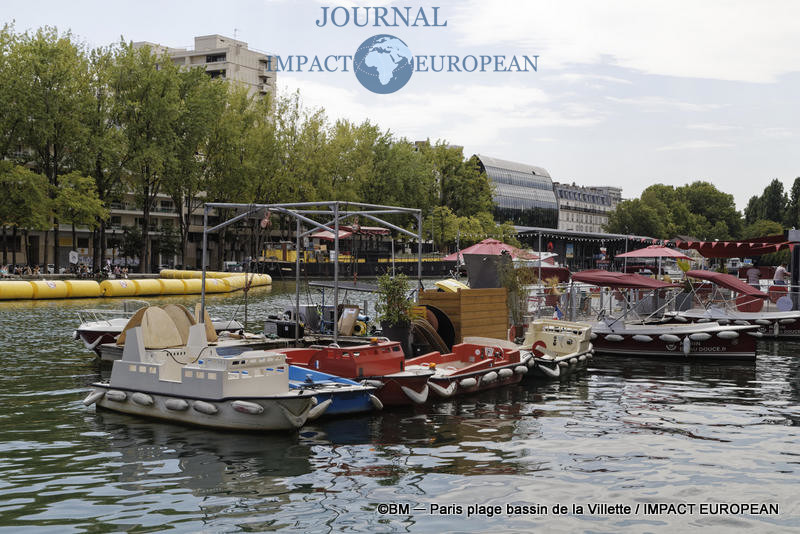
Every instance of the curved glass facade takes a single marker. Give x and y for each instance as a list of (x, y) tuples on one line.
[(523, 194)]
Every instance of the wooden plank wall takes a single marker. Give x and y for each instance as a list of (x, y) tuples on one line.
[(474, 312)]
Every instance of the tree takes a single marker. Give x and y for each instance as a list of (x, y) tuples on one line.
[(202, 102), (792, 217), (25, 204), (761, 228), (146, 108), (56, 90), (635, 217), (104, 152), (12, 95), (131, 245), (77, 202), (774, 201)]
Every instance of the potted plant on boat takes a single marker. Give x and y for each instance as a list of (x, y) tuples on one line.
[(395, 308), (683, 300)]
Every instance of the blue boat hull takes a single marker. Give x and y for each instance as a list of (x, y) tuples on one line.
[(346, 396)]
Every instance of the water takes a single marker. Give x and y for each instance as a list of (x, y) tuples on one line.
[(622, 433)]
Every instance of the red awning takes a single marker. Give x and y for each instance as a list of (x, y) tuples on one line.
[(727, 281), (737, 249), (654, 251), (493, 247), (602, 278), (325, 234)]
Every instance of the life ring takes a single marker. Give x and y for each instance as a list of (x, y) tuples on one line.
[(536, 348), (360, 328)]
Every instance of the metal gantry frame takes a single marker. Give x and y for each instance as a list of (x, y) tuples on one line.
[(301, 212)]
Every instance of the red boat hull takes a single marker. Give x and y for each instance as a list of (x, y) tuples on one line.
[(382, 362)]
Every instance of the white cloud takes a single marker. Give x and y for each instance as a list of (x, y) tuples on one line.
[(657, 104), (718, 39), (575, 77), (469, 115), (778, 133), (695, 145), (711, 127)]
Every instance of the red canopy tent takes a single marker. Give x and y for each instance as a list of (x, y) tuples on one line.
[(737, 249), (613, 280), (493, 247), (727, 281), (654, 251)]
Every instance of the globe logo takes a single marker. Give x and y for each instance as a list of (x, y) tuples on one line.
[(383, 64)]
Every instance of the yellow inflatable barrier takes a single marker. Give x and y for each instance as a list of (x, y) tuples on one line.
[(172, 287), (168, 273), (147, 286), (15, 289), (118, 288), (55, 289), (192, 286), (216, 285), (235, 282), (82, 289)]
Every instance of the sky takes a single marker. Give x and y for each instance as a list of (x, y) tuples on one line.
[(628, 93)]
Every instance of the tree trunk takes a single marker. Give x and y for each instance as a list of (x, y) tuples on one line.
[(74, 238), (5, 246), (102, 239), (14, 244), (145, 256)]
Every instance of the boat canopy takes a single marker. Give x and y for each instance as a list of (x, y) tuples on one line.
[(727, 281), (598, 277)]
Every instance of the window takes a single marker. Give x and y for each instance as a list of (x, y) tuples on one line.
[(215, 58)]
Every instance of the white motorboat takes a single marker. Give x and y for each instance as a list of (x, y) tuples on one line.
[(165, 376), (633, 336), (99, 326), (744, 307), (558, 348)]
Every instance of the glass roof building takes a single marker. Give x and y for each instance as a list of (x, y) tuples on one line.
[(523, 193)]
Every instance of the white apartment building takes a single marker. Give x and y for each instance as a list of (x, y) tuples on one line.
[(224, 57), (585, 209)]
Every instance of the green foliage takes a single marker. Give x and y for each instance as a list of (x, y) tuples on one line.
[(24, 202), (132, 240), (698, 209), (762, 228), (77, 202), (395, 306)]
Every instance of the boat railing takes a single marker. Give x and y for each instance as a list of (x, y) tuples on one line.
[(100, 315)]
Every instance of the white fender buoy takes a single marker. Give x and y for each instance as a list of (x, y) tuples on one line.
[(563, 365), (142, 399), (573, 361), (687, 346), (521, 369), (295, 420), (681, 319), (669, 338), (756, 334), (372, 383), (205, 407), (551, 373), (319, 409), (582, 358), (741, 322), (418, 398), (248, 407), (489, 377), (116, 395), (700, 336), (787, 321), (443, 392), (722, 321), (505, 373), (763, 322), (376, 402), (614, 337), (93, 344), (593, 336), (703, 320), (728, 334), (176, 405), (641, 338), (776, 329), (468, 383), (94, 396)]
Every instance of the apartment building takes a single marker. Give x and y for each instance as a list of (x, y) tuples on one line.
[(585, 209), (224, 57)]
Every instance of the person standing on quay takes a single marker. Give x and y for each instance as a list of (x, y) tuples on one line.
[(780, 275)]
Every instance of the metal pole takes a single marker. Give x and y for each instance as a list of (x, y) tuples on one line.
[(625, 261), (540, 257), (419, 251), (393, 256), (202, 317), (336, 273), (297, 287)]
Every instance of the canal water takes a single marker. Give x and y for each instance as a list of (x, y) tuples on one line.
[(636, 436)]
